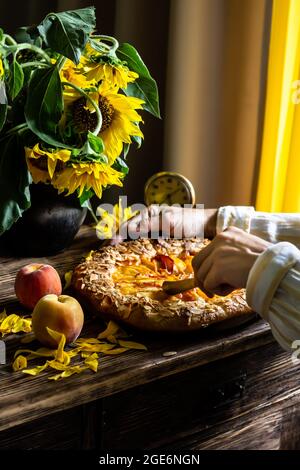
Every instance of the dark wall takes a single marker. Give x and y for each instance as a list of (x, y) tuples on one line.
[(146, 27)]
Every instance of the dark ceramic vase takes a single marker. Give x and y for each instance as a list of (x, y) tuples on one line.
[(48, 226)]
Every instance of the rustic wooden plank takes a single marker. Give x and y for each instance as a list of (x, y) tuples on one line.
[(258, 432), (249, 401), (239, 403), (59, 431), (91, 426), (26, 398), (290, 429)]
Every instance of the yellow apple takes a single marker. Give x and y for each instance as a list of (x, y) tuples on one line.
[(61, 313), (35, 280)]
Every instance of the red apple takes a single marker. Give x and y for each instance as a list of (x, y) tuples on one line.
[(61, 313), (35, 280)]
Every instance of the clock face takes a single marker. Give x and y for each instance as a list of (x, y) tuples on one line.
[(169, 188)]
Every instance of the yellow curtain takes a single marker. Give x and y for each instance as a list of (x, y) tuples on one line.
[(279, 174)]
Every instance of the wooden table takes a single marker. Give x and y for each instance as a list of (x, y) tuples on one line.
[(231, 389)]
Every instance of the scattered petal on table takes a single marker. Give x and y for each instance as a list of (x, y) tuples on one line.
[(68, 279), (19, 363), (92, 362), (131, 344), (61, 342), (35, 370)]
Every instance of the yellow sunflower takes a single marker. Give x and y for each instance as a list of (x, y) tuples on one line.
[(96, 67), (110, 223), (1, 68), (74, 74), (52, 158), (84, 176), (114, 72), (115, 75), (38, 171), (119, 115)]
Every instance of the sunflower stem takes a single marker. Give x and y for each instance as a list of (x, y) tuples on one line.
[(115, 44), (30, 47), (93, 103), (89, 206), (34, 64), (19, 127), (61, 62), (9, 39)]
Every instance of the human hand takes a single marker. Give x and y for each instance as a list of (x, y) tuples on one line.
[(224, 265), (169, 221)]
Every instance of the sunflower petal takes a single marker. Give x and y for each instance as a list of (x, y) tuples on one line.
[(41, 352), (68, 372), (61, 341), (96, 347), (111, 329), (116, 351), (89, 256), (132, 345), (19, 363), (35, 370), (92, 362), (88, 340), (14, 323), (3, 315), (68, 278)]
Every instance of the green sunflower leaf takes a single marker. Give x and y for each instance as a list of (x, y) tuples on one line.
[(95, 142), (44, 105), (91, 151), (14, 194), (3, 104), (16, 79), (26, 34), (138, 140), (145, 86), (68, 32), (85, 197), (126, 148), (121, 166)]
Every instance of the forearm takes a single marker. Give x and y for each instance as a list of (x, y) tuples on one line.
[(210, 222), (216, 220)]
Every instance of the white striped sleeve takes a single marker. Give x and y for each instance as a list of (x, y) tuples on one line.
[(273, 291), (238, 216), (274, 227)]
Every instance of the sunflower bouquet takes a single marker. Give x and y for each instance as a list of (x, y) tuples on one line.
[(70, 107)]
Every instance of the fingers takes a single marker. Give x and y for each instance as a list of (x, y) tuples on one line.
[(201, 273), (214, 282), (146, 221), (201, 256), (209, 273)]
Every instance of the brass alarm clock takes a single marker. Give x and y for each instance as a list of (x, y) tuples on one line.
[(168, 187)]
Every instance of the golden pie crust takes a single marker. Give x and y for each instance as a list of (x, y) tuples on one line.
[(123, 283)]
